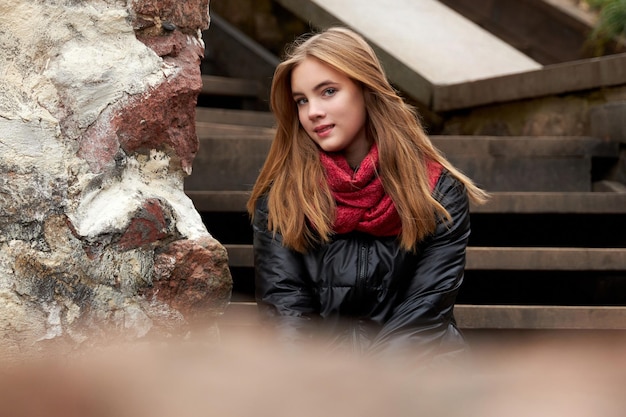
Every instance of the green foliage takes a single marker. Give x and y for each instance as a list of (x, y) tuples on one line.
[(611, 24)]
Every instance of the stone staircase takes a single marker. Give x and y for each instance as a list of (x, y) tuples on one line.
[(547, 252)]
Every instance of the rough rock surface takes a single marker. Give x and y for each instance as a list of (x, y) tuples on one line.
[(97, 134)]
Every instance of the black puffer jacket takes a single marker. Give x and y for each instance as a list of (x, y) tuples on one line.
[(367, 291)]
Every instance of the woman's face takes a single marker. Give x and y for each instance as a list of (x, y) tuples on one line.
[(331, 109)]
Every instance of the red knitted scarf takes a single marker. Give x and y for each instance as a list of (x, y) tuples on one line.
[(362, 204)]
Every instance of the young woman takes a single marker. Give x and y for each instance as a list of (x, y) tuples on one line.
[(360, 224)]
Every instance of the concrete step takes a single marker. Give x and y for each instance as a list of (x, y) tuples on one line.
[(486, 317), (546, 259), (228, 163), (256, 125), (229, 131), (218, 201), (544, 317), (554, 203), (552, 80), (508, 258), (247, 123), (526, 163), (550, 32), (422, 43), (228, 86), (444, 61), (230, 158), (234, 118), (524, 146), (500, 202), (232, 93)]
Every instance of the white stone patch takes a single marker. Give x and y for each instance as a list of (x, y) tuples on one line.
[(7, 276), (53, 323), (136, 320), (199, 39), (107, 209), (28, 144), (18, 320), (72, 312), (33, 171)]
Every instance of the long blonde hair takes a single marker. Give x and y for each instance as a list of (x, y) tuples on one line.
[(301, 207)]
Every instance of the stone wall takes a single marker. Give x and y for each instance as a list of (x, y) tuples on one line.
[(97, 132), (567, 114)]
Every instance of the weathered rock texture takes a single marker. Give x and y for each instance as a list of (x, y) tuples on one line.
[(97, 133), (568, 114)]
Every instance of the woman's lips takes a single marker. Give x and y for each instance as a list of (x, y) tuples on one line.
[(323, 130)]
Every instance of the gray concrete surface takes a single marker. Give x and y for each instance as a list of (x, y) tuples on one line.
[(420, 37)]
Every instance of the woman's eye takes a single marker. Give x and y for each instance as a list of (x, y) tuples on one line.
[(300, 101), (330, 91)]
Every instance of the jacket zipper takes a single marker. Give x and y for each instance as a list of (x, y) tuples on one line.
[(361, 269), (359, 287)]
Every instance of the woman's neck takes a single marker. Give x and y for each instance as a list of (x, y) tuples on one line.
[(354, 157)]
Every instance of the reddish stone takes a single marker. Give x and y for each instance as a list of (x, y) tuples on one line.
[(99, 144), (162, 118), (165, 117), (193, 277), (149, 224)]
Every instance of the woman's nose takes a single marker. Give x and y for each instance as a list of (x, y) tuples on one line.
[(316, 110)]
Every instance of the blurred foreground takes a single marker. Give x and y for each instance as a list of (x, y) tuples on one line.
[(249, 375)]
